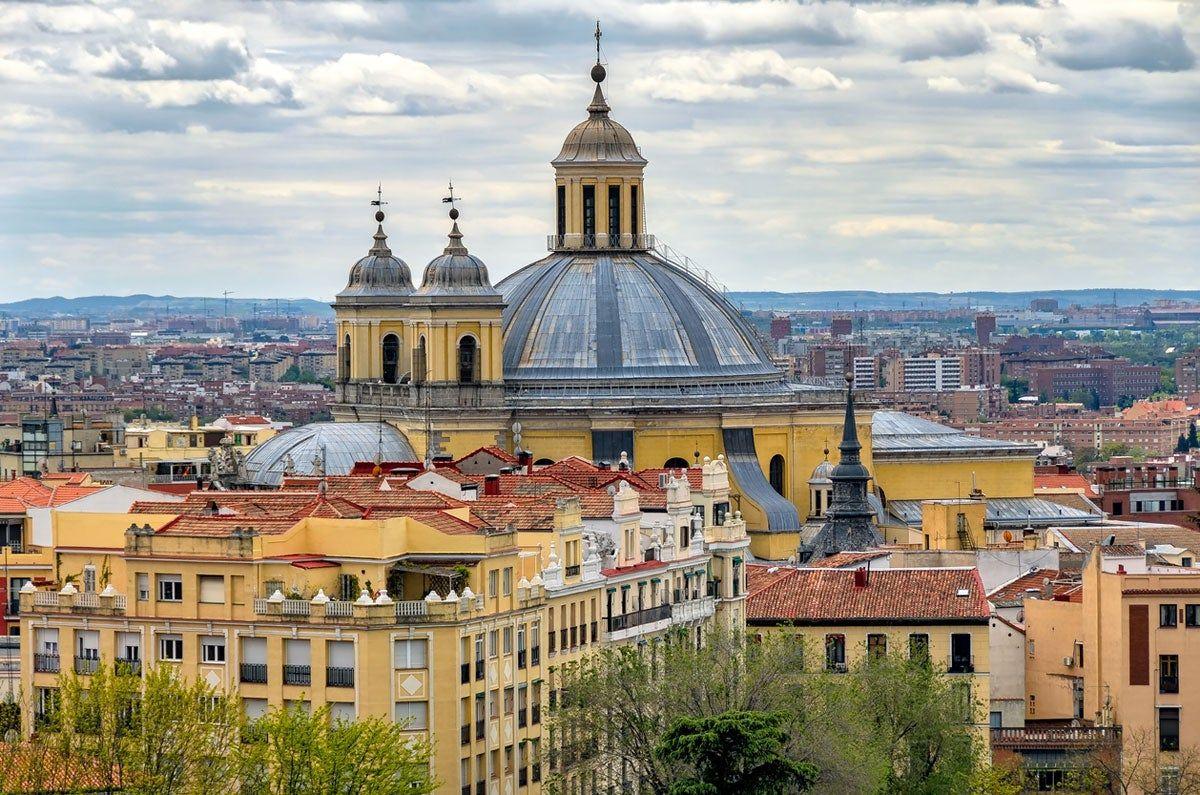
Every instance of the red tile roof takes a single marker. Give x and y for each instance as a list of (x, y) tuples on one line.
[(829, 596), (845, 559), (492, 450), (1016, 590)]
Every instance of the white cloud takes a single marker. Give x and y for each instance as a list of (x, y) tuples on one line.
[(996, 78), (738, 76), (910, 225), (1107, 34)]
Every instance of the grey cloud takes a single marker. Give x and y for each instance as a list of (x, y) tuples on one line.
[(171, 51), (1132, 44)]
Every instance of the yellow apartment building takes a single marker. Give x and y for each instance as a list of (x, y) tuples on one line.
[(171, 452), (844, 615), (422, 614)]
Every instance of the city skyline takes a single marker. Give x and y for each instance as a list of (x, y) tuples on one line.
[(1008, 146)]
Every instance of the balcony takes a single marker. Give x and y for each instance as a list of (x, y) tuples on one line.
[(303, 611), (337, 676), (693, 609), (535, 655), (638, 622), (87, 665), (1064, 738), (105, 604), (128, 666), (297, 675), (254, 673), (961, 665), (520, 658), (46, 663), (572, 571), (601, 241)]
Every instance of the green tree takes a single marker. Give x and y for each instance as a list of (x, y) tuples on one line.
[(733, 752), (1182, 445), (291, 751), (1017, 387), (1193, 439)]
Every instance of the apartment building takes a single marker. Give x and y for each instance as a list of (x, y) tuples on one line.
[(1187, 373), (380, 595), (847, 614)]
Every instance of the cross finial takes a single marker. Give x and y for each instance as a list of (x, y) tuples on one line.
[(598, 35), (451, 199)]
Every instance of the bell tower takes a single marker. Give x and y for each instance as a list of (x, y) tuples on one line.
[(599, 195)]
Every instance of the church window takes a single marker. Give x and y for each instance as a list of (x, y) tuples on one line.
[(468, 361), (775, 474), (614, 214), (561, 203), (391, 358), (633, 209), (589, 211)]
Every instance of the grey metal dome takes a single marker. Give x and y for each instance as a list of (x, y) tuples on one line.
[(339, 445), (627, 319), (599, 139), (456, 272), (822, 473), (380, 273)]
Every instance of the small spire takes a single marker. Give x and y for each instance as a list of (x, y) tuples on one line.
[(599, 105), (455, 246), (380, 249)]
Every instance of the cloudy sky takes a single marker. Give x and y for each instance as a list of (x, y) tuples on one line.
[(193, 147)]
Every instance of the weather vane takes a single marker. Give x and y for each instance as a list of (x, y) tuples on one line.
[(451, 199), (598, 35), (378, 200)]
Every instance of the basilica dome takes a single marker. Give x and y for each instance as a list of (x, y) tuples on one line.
[(614, 323)]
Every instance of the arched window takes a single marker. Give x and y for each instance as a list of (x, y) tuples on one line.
[(468, 361), (543, 462), (419, 362), (344, 362), (676, 463), (391, 358), (775, 473)]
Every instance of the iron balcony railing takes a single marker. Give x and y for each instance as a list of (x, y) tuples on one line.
[(254, 673), (637, 618), (1056, 738), (961, 665), (297, 674), (339, 676), (86, 665), (128, 666), (46, 663), (600, 241)]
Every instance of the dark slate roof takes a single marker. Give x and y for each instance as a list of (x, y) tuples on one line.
[(607, 318), (895, 431)]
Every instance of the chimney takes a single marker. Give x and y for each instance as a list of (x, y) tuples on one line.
[(860, 578), (491, 485), (1047, 588), (525, 459)]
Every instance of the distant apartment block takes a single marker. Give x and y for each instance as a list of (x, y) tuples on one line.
[(1187, 373), (932, 373), (1109, 379)]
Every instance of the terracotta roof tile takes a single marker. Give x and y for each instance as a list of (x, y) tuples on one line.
[(829, 596), (1015, 591)]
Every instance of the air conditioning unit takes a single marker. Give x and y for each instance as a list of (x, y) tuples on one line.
[(1069, 662)]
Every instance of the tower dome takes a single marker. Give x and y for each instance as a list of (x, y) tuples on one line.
[(456, 272), (380, 274), (599, 139)]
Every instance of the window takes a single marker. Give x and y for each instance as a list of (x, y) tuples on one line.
[(170, 648), (633, 209), (876, 646), (468, 361), (411, 653), (1168, 728), (212, 649), (1191, 615), (419, 365), (170, 588), (776, 473), (560, 201), (506, 582), (391, 358), (1168, 673), (493, 643), (413, 715), (508, 635), (918, 647), (143, 587), (614, 214), (493, 578), (589, 210), (835, 652), (1168, 615), (960, 654), (995, 719), (212, 588), (89, 579), (344, 359)]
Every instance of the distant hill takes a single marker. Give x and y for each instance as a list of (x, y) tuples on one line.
[(867, 299), (151, 306)]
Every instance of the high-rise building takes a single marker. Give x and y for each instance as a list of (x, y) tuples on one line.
[(932, 373), (985, 327), (1187, 373)]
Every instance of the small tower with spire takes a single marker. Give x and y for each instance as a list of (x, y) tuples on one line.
[(849, 520), (598, 181)]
